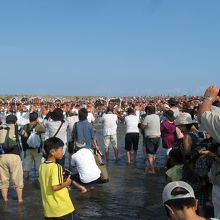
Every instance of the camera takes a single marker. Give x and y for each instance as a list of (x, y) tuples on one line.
[(67, 173), (22, 132), (205, 144)]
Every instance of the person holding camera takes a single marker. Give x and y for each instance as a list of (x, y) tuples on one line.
[(56, 200), (56, 126), (210, 120), (196, 165)]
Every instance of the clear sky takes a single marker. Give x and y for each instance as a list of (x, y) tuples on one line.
[(109, 47)]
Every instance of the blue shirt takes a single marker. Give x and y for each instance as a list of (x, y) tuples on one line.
[(83, 131)]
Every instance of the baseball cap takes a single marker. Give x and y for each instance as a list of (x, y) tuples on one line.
[(167, 192)]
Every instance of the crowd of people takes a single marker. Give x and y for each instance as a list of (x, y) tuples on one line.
[(46, 134)]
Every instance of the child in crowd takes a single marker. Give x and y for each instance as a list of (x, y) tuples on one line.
[(54, 187), (175, 167)]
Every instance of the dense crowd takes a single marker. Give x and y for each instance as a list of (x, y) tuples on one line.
[(46, 134)]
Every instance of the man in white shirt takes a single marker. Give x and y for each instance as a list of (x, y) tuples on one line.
[(132, 134), (210, 120), (110, 121), (173, 106), (151, 126), (84, 165), (90, 117)]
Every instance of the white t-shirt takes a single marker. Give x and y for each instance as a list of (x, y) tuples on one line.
[(90, 117), (211, 123), (152, 123), (138, 114), (86, 166), (51, 129), (131, 122), (109, 121), (176, 111), (71, 121)]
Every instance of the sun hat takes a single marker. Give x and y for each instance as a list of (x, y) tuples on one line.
[(184, 119), (169, 114), (167, 191), (80, 144)]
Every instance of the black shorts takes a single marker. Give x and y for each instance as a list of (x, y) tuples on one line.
[(152, 144), (70, 216), (131, 141), (76, 178)]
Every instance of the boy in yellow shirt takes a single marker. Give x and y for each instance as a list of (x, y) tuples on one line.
[(54, 188)]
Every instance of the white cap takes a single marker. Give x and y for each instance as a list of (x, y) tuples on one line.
[(167, 192)]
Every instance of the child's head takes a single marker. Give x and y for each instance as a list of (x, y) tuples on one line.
[(54, 147)]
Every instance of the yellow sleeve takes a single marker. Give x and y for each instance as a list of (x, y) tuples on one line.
[(57, 175)]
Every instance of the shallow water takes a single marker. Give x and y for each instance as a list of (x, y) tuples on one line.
[(130, 194)]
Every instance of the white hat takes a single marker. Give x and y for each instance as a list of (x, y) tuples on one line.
[(167, 192), (80, 144), (184, 119)]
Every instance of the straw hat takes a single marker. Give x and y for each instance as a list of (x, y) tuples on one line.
[(184, 119)]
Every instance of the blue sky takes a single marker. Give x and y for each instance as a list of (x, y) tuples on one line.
[(109, 47)]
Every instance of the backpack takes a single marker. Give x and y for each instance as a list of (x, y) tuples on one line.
[(8, 137)]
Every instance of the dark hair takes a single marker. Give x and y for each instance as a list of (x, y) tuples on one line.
[(150, 109), (188, 126), (109, 109), (130, 111), (52, 143), (11, 119), (181, 203), (176, 155), (172, 102), (33, 116), (57, 114), (83, 113)]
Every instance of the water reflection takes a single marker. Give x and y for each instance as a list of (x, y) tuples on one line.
[(130, 194)]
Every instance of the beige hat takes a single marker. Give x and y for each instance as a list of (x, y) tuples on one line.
[(80, 144), (184, 119), (167, 192)]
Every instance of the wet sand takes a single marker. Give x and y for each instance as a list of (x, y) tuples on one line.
[(130, 194)]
